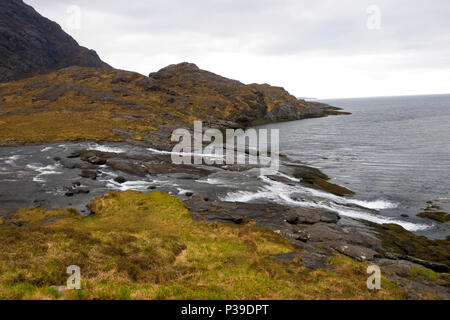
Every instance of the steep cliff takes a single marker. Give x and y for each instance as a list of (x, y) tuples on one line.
[(31, 44)]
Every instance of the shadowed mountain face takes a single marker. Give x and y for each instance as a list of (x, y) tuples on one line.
[(31, 44)]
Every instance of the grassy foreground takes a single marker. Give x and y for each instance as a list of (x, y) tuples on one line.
[(146, 246)]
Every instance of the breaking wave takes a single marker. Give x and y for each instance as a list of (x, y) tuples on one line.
[(309, 198)]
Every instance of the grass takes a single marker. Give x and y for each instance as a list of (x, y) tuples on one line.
[(147, 246)]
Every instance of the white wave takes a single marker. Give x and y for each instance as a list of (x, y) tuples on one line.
[(289, 177), (183, 191), (205, 155), (103, 148), (43, 171), (129, 185), (46, 149), (212, 181), (379, 204), (11, 160), (375, 205), (280, 192)]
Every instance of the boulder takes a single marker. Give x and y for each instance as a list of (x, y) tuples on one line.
[(89, 174), (120, 179)]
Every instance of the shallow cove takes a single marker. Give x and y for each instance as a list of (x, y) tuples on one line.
[(393, 152)]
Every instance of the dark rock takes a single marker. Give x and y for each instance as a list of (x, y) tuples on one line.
[(132, 168), (292, 219), (96, 160), (75, 154), (281, 179), (69, 194), (76, 183), (399, 243), (188, 194), (120, 179), (68, 164), (81, 190), (313, 261), (313, 178), (441, 217), (168, 168), (89, 174)]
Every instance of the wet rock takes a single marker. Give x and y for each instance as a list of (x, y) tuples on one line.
[(120, 179), (81, 191), (132, 168), (188, 194), (96, 160), (399, 243), (151, 188), (68, 164), (169, 168), (292, 219), (441, 217), (69, 194), (281, 179), (310, 216), (314, 178), (75, 154), (89, 174), (76, 183), (185, 176)]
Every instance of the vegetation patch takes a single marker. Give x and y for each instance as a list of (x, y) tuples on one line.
[(147, 246)]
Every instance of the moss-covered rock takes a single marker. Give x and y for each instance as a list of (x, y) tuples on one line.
[(397, 240), (436, 216)]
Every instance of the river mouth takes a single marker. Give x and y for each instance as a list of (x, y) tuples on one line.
[(40, 176)]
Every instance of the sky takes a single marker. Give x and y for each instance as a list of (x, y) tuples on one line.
[(313, 48)]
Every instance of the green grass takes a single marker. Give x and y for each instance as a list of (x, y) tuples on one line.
[(147, 246)]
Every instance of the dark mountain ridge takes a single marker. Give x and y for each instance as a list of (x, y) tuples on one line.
[(31, 44)]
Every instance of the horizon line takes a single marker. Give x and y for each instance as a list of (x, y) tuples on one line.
[(381, 96)]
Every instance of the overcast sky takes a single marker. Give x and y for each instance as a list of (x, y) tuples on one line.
[(312, 48)]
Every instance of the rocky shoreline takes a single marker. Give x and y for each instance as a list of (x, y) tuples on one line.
[(318, 234)]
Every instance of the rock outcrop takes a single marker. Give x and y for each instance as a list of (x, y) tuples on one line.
[(126, 105), (31, 44)]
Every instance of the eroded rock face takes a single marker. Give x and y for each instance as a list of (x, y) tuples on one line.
[(31, 44)]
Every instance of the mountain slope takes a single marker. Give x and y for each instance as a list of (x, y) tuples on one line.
[(31, 44), (78, 103)]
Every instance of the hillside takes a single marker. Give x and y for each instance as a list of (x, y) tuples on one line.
[(31, 44), (78, 103)]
